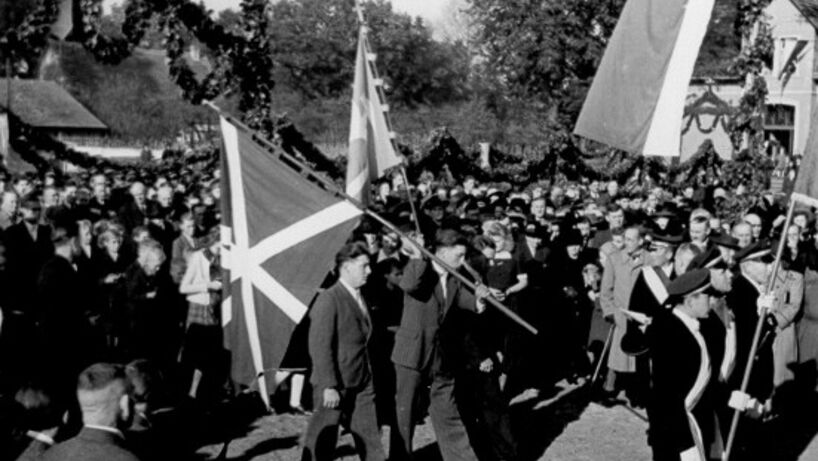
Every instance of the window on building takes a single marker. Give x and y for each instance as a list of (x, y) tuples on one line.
[(779, 129)]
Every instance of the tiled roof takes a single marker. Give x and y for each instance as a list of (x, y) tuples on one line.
[(46, 104)]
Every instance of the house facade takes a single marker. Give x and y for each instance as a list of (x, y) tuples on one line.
[(791, 82)]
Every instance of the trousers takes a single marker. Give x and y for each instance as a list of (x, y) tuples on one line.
[(450, 431), (356, 412)]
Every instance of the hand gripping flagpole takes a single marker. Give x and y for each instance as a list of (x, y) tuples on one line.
[(333, 188), (382, 98), (762, 317)]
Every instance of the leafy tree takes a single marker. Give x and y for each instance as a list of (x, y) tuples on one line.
[(544, 51), (314, 42), (24, 27)]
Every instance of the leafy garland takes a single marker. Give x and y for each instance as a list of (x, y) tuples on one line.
[(748, 122)]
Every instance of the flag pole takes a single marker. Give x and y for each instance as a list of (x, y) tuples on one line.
[(745, 381), (333, 188)]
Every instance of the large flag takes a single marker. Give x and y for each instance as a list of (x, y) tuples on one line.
[(371, 140), (280, 233), (637, 98), (806, 184)]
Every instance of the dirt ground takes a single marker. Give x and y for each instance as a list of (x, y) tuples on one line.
[(570, 429)]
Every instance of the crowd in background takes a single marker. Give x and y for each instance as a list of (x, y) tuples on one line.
[(121, 270)]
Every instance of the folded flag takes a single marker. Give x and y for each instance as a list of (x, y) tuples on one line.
[(372, 147), (280, 233), (636, 101)]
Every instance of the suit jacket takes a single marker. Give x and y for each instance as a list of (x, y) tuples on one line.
[(91, 445), (427, 338), (338, 341)]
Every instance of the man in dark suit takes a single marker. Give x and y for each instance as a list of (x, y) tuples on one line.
[(62, 317), (103, 395), (683, 420), (134, 212), (426, 342), (28, 247), (340, 328)]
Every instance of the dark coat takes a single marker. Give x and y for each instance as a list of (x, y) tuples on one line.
[(97, 210), (742, 302), (24, 259), (676, 358), (131, 216), (338, 339), (423, 336), (140, 321), (63, 317), (91, 445)]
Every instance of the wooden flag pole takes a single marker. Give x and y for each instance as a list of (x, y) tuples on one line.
[(333, 188), (745, 381)]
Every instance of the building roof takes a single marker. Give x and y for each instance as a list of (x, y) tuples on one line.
[(809, 9), (46, 104)]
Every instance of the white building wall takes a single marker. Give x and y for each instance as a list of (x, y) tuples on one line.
[(788, 26)]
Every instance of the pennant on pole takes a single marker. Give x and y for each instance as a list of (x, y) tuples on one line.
[(372, 147), (280, 233), (636, 101)]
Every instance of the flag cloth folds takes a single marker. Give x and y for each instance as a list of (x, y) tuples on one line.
[(636, 101), (280, 233), (371, 140), (806, 182)]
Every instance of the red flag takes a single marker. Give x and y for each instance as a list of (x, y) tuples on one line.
[(636, 101), (280, 233), (371, 145)]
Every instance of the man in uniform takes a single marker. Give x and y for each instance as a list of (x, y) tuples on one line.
[(683, 420), (647, 299)]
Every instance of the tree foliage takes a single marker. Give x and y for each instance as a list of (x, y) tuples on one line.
[(24, 28), (545, 51), (315, 41)]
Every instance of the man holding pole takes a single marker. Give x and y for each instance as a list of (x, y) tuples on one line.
[(424, 346), (748, 301)]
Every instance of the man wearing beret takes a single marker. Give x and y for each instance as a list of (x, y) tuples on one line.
[(683, 420)]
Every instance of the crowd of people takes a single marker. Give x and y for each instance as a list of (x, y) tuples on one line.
[(112, 292)]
